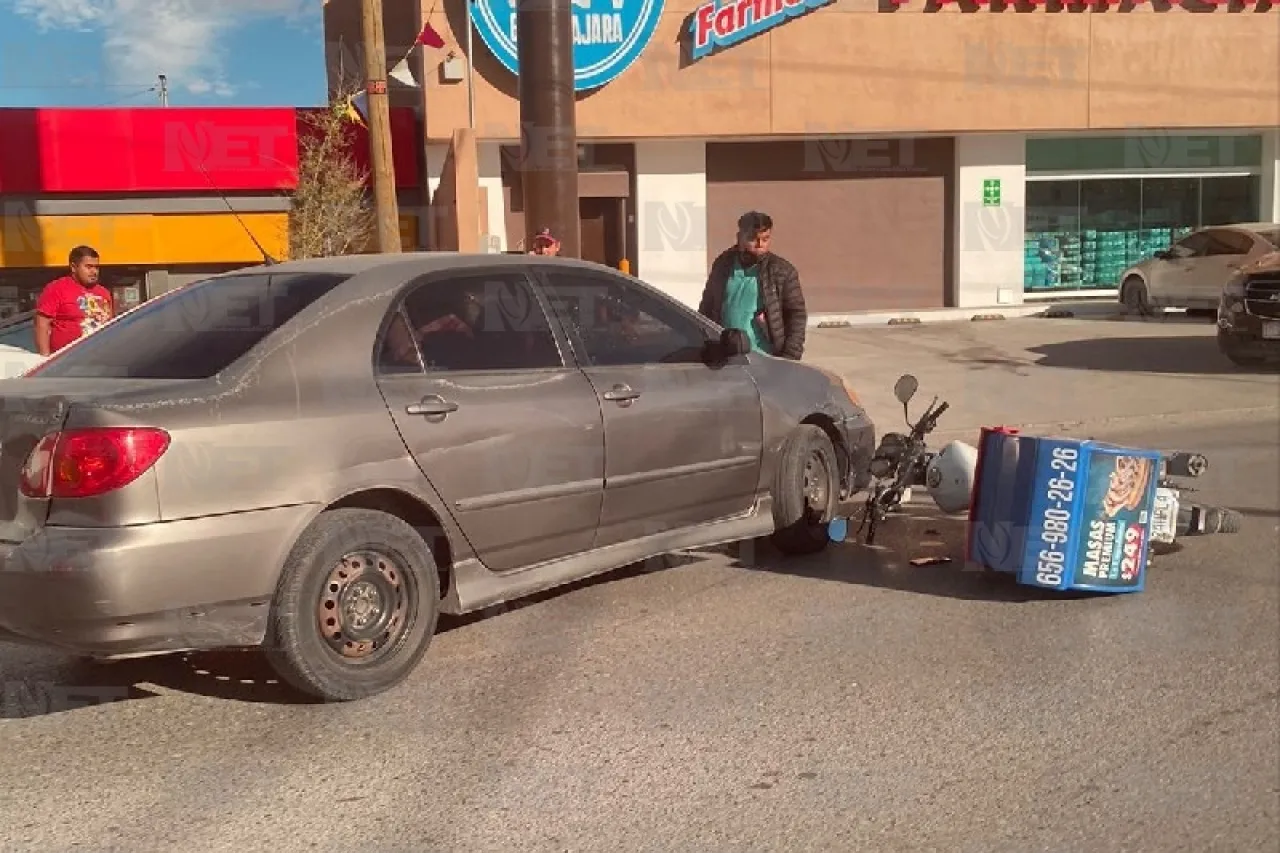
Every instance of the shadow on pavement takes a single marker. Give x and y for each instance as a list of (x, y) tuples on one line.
[(887, 564), (48, 683), (1142, 355)]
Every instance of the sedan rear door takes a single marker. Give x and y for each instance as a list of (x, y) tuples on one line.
[(503, 424)]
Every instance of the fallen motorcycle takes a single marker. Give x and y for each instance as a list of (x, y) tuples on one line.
[(1058, 513)]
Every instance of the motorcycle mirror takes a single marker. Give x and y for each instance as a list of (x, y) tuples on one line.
[(905, 388)]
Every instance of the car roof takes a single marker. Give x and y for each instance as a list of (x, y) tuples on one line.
[(1246, 226), (411, 262), (373, 274)]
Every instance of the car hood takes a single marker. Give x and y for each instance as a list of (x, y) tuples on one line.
[(1269, 262), (1143, 265), (15, 361)]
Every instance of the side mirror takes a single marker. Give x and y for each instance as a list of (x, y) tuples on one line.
[(1164, 255), (905, 388), (734, 342)]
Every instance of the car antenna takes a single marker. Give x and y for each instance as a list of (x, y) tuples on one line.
[(267, 260)]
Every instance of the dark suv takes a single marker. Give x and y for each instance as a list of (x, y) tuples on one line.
[(1249, 313)]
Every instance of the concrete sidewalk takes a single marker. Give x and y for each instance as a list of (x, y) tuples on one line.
[(1059, 376), (1095, 307)]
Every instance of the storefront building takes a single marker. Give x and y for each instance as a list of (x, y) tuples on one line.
[(164, 194), (912, 154)]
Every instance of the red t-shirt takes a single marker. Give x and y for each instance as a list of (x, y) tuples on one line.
[(75, 310)]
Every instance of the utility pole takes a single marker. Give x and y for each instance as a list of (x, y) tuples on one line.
[(548, 122), (164, 91), (375, 73)]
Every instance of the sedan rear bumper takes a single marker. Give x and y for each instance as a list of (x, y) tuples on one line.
[(175, 586)]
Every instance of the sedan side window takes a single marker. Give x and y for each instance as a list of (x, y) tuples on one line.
[(1192, 246), (21, 335), (1223, 242), (618, 324), (489, 321)]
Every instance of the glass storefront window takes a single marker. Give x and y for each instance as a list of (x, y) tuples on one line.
[(1083, 234), (1224, 199), (1110, 228), (1053, 229)]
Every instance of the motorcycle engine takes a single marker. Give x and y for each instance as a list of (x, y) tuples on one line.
[(892, 447), (951, 475)]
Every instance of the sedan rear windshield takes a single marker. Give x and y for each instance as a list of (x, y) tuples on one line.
[(194, 332), (1272, 236)]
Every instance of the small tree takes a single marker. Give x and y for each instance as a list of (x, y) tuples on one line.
[(331, 212)]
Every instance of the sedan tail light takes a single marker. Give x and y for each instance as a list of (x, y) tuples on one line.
[(85, 463)]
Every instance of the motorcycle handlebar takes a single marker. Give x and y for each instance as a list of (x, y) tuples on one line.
[(930, 419)]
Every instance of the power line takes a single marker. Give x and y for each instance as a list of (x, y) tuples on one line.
[(137, 94)]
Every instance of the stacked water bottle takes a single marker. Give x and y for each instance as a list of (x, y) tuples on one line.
[(1092, 258)]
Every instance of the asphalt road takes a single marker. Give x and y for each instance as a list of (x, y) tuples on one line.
[(846, 703)]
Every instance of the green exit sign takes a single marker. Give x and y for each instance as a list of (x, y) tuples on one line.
[(991, 192)]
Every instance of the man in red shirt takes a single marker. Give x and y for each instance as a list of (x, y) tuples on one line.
[(72, 306)]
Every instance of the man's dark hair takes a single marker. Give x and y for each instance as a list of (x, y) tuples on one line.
[(753, 222), (79, 253)]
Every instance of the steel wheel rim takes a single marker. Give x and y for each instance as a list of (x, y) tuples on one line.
[(817, 485), (366, 606)]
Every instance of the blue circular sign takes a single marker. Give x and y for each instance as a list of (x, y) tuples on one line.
[(608, 35)]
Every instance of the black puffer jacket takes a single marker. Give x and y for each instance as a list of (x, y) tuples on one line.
[(784, 310)]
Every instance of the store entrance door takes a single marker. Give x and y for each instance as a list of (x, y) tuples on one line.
[(602, 230)]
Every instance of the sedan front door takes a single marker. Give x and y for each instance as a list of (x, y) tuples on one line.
[(683, 440), (1169, 280), (504, 426)]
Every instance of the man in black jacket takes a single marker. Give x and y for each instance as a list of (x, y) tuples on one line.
[(752, 289)]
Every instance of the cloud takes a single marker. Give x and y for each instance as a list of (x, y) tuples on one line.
[(183, 39)]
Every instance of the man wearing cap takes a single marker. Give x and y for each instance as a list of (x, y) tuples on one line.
[(544, 243), (752, 289)]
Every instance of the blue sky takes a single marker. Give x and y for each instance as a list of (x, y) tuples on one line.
[(109, 52)]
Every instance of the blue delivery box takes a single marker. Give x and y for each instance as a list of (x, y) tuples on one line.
[(1063, 514)]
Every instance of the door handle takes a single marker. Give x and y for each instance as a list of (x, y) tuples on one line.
[(621, 394), (433, 404)]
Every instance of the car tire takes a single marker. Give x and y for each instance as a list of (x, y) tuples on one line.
[(805, 492), (355, 608), (1133, 293)]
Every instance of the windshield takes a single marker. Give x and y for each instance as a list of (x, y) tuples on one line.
[(21, 334), (194, 332)]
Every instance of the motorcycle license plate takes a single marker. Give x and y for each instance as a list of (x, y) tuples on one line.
[(1271, 330), (1164, 519)]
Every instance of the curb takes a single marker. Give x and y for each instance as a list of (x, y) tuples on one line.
[(871, 319)]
